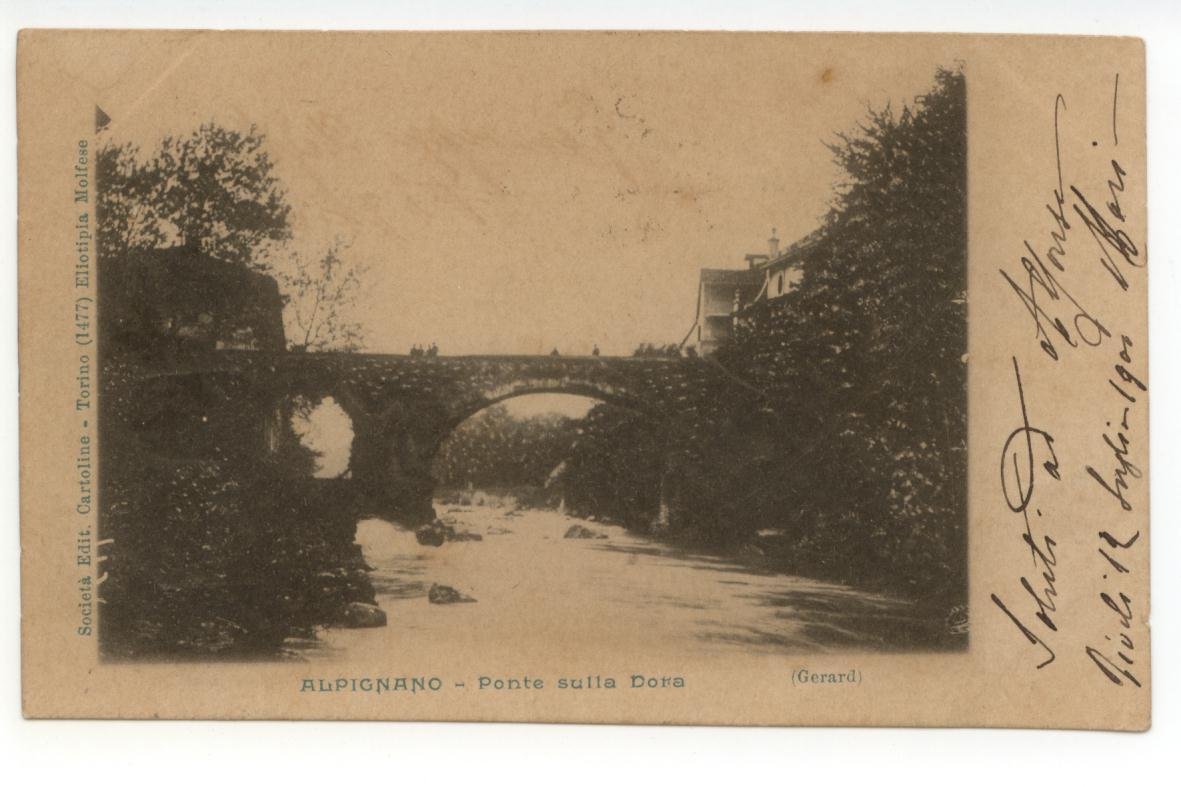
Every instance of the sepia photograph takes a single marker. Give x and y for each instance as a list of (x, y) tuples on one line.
[(426, 366)]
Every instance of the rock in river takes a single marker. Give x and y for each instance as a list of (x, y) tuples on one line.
[(434, 534), (578, 531), (445, 594), (357, 615)]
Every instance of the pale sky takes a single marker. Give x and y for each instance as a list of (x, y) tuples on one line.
[(516, 193)]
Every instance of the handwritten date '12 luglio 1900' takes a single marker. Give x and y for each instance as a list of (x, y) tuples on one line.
[(1086, 229)]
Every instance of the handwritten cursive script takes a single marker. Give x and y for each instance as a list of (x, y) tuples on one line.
[(1088, 245), (1059, 318), (1018, 475), (1129, 387), (1116, 657)]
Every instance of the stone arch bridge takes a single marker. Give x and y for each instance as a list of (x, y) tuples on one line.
[(401, 407)]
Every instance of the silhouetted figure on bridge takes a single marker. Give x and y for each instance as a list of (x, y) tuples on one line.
[(595, 351), (648, 350), (432, 351), (555, 352)]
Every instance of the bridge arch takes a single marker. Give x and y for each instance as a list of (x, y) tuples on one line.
[(607, 394), (507, 456)]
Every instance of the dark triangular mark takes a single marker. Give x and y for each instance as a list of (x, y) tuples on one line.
[(101, 119)]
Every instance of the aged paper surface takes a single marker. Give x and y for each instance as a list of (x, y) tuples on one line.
[(633, 377)]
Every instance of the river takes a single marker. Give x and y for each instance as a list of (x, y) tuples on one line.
[(530, 583)]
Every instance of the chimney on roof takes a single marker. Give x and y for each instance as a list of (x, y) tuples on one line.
[(773, 243)]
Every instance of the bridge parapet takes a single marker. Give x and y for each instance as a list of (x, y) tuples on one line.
[(460, 385)]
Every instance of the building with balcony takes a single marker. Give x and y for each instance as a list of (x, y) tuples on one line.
[(724, 293)]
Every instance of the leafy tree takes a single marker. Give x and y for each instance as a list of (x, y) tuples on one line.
[(214, 188), (126, 217), (217, 187), (319, 294), (864, 364)]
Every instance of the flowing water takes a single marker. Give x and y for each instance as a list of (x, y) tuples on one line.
[(533, 587)]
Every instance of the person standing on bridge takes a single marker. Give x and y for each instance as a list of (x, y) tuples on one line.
[(595, 351)]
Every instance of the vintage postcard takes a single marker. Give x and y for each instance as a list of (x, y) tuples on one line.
[(689, 378)]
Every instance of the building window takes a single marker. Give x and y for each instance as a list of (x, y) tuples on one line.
[(779, 284)]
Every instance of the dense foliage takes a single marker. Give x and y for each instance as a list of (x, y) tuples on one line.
[(849, 435), (215, 188), (613, 468), (494, 449), (215, 548), (864, 365)]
